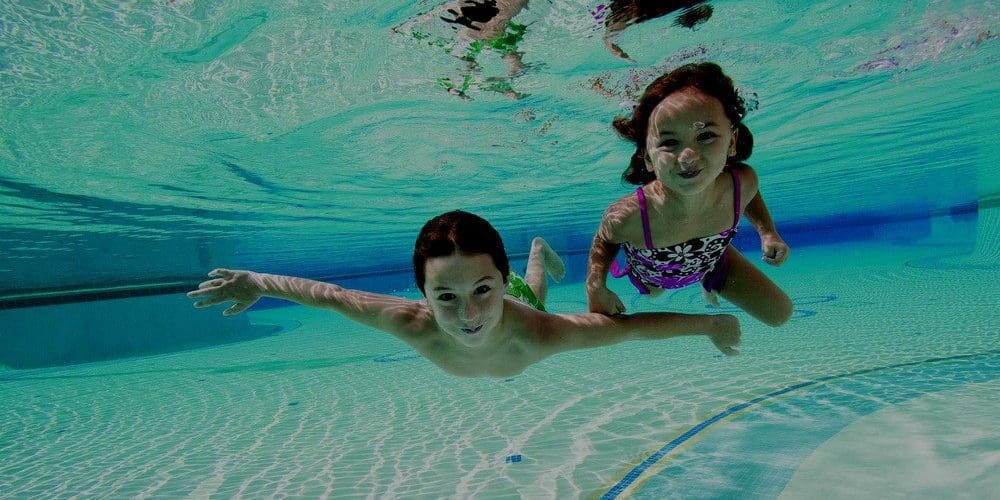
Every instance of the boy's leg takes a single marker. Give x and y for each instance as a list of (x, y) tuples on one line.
[(542, 260)]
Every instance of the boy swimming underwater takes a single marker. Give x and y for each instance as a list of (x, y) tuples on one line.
[(476, 319)]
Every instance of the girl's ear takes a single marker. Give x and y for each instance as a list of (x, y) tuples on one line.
[(732, 144)]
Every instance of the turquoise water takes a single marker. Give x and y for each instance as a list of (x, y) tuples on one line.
[(330, 408), (143, 145)]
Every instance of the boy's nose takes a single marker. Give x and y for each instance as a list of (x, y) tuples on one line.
[(470, 311)]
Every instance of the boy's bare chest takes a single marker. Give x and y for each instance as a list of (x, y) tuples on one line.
[(506, 361)]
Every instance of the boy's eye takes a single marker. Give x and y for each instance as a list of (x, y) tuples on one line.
[(669, 144), (445, 297), (483, 289)]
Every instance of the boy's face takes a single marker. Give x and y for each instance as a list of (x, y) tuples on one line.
[(465, 293)]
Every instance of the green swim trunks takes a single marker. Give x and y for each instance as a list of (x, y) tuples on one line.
[(519, 289)]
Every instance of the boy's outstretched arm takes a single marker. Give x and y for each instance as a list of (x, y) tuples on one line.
[(775, 250), (566, 332), (391, 314)]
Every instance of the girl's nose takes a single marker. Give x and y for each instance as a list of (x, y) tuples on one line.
[(687, 158)]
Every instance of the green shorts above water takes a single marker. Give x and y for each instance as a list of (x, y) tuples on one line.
[(504, 43)]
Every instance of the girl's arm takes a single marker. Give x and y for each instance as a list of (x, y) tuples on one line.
[(775, 250), (401, 317), (602, 254), (582, 331)]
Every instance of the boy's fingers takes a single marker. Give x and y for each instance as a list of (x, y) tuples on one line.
[(210, 283), (205, 288), (211, 302), (236, 308), (220, 273)]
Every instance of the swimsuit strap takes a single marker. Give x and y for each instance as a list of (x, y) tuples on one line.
[(645, 217), (736, 198)]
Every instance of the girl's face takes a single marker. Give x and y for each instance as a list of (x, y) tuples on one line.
[(688, 141), (465, 293)]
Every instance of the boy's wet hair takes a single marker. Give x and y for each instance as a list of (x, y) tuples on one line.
[(457, 231), (706, 77)]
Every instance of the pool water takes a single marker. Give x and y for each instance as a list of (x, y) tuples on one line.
[(144, 144), (852, 395)]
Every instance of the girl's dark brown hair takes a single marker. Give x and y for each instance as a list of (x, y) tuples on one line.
[(706, 77)]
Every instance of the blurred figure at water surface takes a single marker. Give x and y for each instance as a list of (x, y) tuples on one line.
[(620, 14), (476, 26)]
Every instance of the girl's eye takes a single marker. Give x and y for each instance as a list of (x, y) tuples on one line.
[(483, 289), (707, 137), (446, 297)]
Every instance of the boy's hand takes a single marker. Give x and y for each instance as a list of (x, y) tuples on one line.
[(605, 301), (242, 287), (774, 249)]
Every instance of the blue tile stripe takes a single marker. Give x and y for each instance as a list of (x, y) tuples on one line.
[(638, 470)]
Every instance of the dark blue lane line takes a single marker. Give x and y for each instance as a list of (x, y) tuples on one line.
[(638, 470)]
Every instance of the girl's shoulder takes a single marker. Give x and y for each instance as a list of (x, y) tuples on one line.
[(749, 184), (623, 208), (627, 203), (621, 218)]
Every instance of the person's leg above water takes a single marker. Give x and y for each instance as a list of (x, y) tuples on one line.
[(542, 260)]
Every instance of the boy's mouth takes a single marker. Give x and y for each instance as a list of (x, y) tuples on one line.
[(689, 174), (472, 331)]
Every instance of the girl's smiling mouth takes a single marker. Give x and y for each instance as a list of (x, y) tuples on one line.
[(472, 331), (689, 174)]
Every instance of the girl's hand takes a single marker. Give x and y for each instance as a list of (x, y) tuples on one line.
[(727, 337), (605, 301), (242, 287), (774, 248), (711, 297)]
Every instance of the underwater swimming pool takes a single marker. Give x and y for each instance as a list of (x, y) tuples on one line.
[(878, 385), (144, 145)]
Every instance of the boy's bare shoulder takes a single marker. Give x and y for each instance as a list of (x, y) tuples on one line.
[(537, 326), (523, 320), (413, 320)]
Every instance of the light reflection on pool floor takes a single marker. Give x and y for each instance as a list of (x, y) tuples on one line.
[(330, 408)]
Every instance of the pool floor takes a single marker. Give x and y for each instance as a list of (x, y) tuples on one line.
[(888, 369)]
